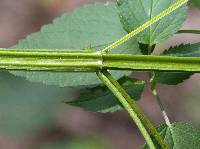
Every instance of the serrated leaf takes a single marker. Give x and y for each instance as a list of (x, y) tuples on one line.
[(173, 78), (90, 26), (179, 136), (134, 13), (184, 50), (25, 107), (100, 99)]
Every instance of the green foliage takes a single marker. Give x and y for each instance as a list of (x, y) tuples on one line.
[(196, 3), (134, 13), (179, 136), (95, 27), (27, 107), (90, 26), (100, 99), (187, 50), (173, 78)]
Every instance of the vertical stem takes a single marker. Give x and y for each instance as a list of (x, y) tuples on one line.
[(104, 78), (164, 113), (155, 93), (132, 108)]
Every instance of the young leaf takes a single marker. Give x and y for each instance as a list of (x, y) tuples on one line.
[(179, 136), (173, 78), (90, 26), (134, 13), (100, 99), (25, 107)]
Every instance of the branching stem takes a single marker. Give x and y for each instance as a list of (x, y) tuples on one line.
[(129, 104)]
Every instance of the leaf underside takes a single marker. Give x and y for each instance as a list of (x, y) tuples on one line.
[(94, 26)]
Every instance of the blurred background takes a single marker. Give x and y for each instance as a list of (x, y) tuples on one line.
[(33, 116)]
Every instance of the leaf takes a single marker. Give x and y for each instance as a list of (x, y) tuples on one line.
[(25, 107), (179, 136), (100, 99), (134, 13), (173, 78), (187, 50), (195, 3), (90, 26)]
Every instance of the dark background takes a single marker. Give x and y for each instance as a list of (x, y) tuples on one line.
[(27, 122)]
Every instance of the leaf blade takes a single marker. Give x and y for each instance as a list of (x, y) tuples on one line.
[(134, 13), (179, 135), (100, 99)]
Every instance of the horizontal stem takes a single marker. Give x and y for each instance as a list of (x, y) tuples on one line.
[(90, 60), (51, 60), (189, 31), (147, 63)]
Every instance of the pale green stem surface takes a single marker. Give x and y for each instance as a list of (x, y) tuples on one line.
[(164, 113), (104, 78), (156, 95), (129, 104), (88, 60)]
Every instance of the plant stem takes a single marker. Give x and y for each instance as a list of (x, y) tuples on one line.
[(132, 108), (189, 31), (164, 113), (90, 60), (155, 93), (50, 60), (105, 79), (146, 63)]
